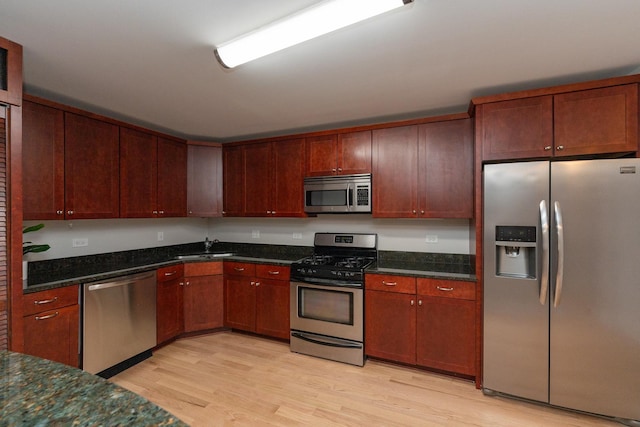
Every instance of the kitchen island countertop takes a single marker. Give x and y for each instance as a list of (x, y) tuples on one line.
[(39, 392)]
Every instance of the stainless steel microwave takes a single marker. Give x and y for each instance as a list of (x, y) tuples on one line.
[(338, 194)]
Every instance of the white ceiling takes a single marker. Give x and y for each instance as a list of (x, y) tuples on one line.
[(151, 62)]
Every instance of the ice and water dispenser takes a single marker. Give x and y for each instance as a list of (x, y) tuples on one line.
[(516, 251)]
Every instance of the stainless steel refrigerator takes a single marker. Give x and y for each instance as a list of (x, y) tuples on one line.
[(562, 284)]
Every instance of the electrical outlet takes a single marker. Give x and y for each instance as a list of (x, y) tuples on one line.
[(255, 234), (296, 236), (160, 236), (77, 243), (431, 238)]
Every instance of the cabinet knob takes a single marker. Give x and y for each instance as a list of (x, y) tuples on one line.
[(412, 302), (333, 170), (155, 212), (257, 284), (547, 148), (560, 147), (187, 283), (420, 302), (339, 169), (252, 283), (273, 212), (422, 212), (69, 212), (181, 283), (161, 212), (268, 212), (414, 211), (190, 212), (60, 212)]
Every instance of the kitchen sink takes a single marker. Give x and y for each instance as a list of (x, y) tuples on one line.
[(204, 256)]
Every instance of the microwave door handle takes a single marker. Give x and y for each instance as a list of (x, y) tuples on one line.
[(349, 197)]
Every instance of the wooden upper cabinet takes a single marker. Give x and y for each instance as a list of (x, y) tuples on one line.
[(515, 129), (138, 174), (342, 154), (258, 178), (288, 178), (583, 122), (91, 168), (204, 180), (233, 182), (172, 178), (445, 156), (596, 121), (42, 162), (395, 172), (264, 179), (11, 70)]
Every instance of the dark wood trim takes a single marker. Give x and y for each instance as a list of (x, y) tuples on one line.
[(476, 224), (13, 94)]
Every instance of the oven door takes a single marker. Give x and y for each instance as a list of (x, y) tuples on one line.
[(333, 311)]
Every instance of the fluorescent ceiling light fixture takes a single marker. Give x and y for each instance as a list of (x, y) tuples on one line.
[(323, 18)]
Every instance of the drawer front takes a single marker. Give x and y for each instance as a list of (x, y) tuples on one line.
[(203, 269), (171, 272), (49, 300), (276, 272), (239, 268), (447, 288), (388, 283)]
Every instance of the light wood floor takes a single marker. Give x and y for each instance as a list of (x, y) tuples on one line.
[(235, 379)]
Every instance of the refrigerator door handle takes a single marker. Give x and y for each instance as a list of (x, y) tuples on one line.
[(560, 273), (544, 279)]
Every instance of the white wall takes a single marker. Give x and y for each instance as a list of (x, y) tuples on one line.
[(112, 235), (125, 234), (393, 234)]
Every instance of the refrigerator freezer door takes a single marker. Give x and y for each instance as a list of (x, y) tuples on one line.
[(595, 329), (516, 324)]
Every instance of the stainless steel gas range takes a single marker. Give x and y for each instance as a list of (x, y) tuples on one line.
[(327, 297)]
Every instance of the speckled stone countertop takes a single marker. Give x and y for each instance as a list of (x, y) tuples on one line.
[(426, 265), (38, 392)]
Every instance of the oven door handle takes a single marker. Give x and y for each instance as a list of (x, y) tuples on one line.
[(343, 344), (327, 283)]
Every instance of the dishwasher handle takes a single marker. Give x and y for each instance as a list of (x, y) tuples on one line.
[(117, 283)]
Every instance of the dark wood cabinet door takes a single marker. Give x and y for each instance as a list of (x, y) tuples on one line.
[(446, 334), (234, 181), (169, 309), (395, 172), (92, 178), (172, 178), (203, 303), (138, 174), (240, 303), (288, 177), (272, 308), (204, 181), (42, 162), (321, 155), (445, 188), (596, 121), (390, 326), (54, 335), (258, 167), (516, 129), (354, 152)]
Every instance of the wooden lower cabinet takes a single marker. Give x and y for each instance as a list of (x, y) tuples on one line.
[(52, 325), (169, 313), (203, 296), (257, 298), (425, 322)]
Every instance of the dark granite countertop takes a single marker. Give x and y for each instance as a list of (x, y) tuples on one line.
[(38, 392), (57, 273)]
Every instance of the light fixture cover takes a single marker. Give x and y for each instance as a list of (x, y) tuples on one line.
[(323, 18)]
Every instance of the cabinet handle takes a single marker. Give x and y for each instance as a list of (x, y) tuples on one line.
[(238, 268), (389, 283), (48, 316), (172, 273), (547, 148), (273, 212), (560, 147), (440, 288), (274, 273), (46, 301)]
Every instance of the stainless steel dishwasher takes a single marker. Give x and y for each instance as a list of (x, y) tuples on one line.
[(118, 322)]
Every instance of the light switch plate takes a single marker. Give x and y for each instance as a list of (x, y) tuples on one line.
[(255, 234), (78, 243), (431, 238)]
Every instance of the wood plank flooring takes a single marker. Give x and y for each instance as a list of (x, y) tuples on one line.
[(235, 379)]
